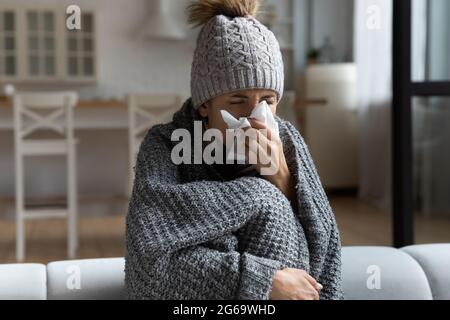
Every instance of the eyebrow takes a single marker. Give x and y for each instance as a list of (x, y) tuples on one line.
[(239, 96), (245, 97)]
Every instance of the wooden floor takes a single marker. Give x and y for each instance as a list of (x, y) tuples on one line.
[(362, 224), (359, 224)]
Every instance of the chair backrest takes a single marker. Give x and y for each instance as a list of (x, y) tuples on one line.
[(35, 111), (145, 111)]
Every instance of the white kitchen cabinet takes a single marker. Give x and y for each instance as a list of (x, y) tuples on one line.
[(331, 123), (37, 47)]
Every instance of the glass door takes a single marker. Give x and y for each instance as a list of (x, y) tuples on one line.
[(421, 122)]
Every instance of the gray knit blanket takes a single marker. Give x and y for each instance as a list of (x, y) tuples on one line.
[(191, 233)]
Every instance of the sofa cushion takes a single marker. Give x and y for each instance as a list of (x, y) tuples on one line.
[(435, 262), (23, 281), (371, 273), (90, 279)]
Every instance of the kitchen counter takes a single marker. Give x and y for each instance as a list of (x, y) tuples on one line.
[(88, 114), (93, 103)]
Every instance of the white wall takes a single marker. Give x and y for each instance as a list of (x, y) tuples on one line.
[(333, 18), (130, 64)]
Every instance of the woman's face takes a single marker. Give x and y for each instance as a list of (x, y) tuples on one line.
[(239, 104)]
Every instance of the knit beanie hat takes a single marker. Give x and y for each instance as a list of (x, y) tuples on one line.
[(234, 50)]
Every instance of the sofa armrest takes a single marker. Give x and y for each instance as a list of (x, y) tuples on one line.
[(23, 282), (435, 262), (382, 273)]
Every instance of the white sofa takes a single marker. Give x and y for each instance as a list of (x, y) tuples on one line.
[(416, 272)]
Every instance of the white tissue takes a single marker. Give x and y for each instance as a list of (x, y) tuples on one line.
[(261, 112)]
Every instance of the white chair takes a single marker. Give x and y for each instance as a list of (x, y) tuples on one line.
[(49, 111), (145, 111)]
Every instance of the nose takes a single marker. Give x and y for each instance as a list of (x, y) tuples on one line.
[(250, 105), (253, 101)]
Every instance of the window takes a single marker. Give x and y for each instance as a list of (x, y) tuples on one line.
[(80, 48), (41, 43), (35, 45), (430, 41), (8, 47)]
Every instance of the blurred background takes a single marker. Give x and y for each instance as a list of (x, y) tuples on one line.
[(126, 67)]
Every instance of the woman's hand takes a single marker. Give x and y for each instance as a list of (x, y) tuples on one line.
[(294, 284), (268, 151)]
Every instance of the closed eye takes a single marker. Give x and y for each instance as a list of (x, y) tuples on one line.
[(237, 102), (270, 100)]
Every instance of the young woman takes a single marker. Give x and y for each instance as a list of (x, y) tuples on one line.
[(227, 231)]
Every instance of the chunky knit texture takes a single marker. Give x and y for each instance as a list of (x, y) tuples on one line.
[(235, 54), (193, 234)]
